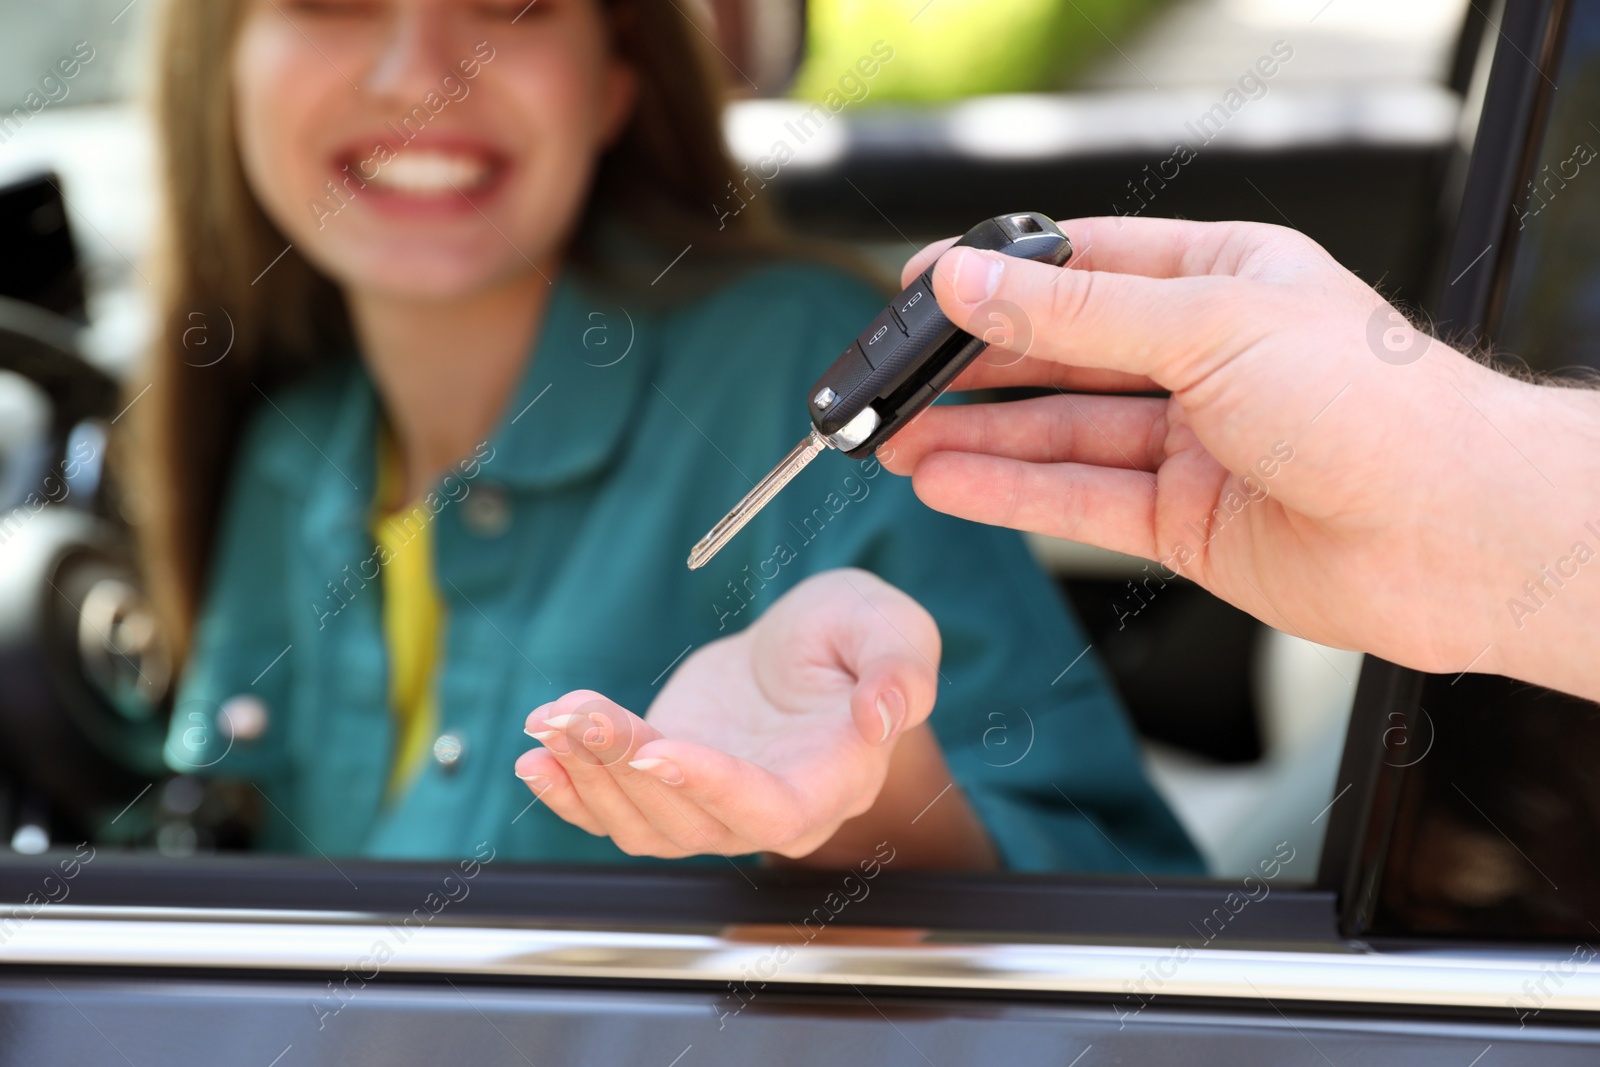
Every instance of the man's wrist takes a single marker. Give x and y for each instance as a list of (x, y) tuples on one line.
[(1540, 577)]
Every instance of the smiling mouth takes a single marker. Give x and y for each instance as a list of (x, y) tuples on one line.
[(442, 180), (428, 172)]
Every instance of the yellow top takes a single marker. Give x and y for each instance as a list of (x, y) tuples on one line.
[(413, 617)]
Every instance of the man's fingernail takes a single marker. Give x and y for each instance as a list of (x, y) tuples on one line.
[(977, 276), (892, 710), (663, 769)]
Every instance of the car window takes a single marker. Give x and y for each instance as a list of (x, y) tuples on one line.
[(1544, 323), (1101, 716)]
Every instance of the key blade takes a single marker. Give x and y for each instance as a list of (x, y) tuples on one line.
[(756, 499)]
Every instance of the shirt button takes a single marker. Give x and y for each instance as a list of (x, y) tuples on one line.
[(242, 717), (447, 751), (486, 510)]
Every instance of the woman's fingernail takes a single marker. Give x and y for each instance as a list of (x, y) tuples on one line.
[(561, 722), (526, 768), (892, 710), (554, 740), (976, 276), (663, 769)]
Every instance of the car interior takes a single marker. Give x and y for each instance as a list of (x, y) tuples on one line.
[(1415, 142)]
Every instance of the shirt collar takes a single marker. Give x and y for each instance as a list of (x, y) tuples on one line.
[(568, 418), (344, 486), (579, 393)]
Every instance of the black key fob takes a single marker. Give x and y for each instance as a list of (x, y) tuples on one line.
[(911, 353)]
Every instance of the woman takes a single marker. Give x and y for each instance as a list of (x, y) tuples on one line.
[(498, 359)]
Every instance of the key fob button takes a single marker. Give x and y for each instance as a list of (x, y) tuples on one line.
[(914, 305), (844, 378), (926, 326), (881, 338)]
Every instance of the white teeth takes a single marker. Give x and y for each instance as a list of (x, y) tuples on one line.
[(419, 171)]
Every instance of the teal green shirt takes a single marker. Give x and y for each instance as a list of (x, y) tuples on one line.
[(560, 550)]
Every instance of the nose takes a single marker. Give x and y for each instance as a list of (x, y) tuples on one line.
[(411, 58)]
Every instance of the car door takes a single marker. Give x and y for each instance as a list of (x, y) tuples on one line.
[(1436, 904)]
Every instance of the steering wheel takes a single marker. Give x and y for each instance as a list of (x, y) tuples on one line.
[(87, 676)]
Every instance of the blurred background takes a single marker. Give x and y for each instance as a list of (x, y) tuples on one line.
[(900, 121)]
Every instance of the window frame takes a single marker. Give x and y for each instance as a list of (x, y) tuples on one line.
[(1467, 304)]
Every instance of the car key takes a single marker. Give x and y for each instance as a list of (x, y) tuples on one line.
[(898, 365)]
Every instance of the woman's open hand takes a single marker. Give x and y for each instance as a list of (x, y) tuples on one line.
[(764, 741)]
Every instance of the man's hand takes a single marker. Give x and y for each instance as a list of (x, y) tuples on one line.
[(765, 741), (1318, 462)]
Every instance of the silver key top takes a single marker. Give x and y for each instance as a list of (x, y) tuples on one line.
[(756, 499)]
